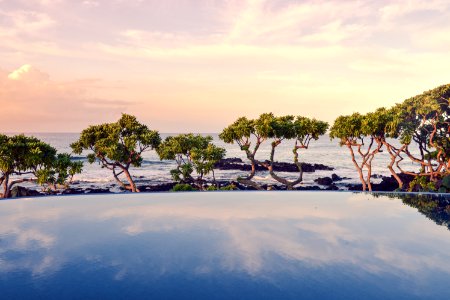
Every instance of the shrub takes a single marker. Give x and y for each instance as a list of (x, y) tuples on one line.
[(183, 187)]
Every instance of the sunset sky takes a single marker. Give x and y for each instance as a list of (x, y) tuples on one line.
[(197, 65)]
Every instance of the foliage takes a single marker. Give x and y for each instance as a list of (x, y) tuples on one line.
[(118, 145), (433, 207), (239, 132), (446, 182), (421, 122), (22, 157), (348, 129), (250, 134), (421, 183), (352, 131), (183, 187), (191, 153), (230, 187), (62, 171)]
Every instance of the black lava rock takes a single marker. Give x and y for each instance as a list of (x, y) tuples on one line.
[(324, 180)]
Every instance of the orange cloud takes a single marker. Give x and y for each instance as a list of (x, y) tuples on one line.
[(31, 100)]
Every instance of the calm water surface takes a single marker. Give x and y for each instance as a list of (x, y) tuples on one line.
[(226, 245)]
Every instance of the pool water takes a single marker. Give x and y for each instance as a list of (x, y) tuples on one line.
[(226, 245)]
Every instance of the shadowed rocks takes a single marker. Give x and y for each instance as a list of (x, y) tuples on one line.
[(238, 164)]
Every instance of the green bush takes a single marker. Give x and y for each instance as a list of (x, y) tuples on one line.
[(183, 187), (421, 184), (442, 190), (230, 187), (446, 182)]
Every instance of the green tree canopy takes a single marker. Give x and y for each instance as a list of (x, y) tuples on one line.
[(353, 130), (247, 132), (117, 146), (348, 129), (191, 153), (25, 159), (421, 122), (300, 129)]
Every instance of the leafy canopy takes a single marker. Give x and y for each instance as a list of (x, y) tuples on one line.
[(348, 128), (121, 142), (22, 155), (191, 152)]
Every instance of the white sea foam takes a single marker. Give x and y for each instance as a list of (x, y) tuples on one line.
[(155, 171)]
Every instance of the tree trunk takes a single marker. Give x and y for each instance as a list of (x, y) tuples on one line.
[(394, 154), (358, 168), (289, 184), (130, 181), (7, 193), (131, 185), (248, 180), (5, 186)]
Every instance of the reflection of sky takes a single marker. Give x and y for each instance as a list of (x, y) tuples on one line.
[(265, 241)]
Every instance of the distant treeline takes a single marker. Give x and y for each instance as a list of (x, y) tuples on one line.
[(421, 122)]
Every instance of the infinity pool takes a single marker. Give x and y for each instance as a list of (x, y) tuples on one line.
[(226, 245)]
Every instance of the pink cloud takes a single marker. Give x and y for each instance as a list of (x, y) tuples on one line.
[(31, 100)]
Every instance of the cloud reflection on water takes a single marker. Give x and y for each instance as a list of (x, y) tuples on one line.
[(202, 233)]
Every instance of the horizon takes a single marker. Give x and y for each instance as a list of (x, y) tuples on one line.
[(202, 64)]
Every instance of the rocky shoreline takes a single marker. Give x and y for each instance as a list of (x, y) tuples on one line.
[(333, 183), (238, 164)]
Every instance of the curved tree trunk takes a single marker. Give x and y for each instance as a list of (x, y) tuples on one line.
[(358, 168), (289, 184), (368, 158), (248, 180), (394, 153), (5, 186), (8, 186), (131, 186)]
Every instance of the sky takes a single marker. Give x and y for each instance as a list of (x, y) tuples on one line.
[(197, 65)]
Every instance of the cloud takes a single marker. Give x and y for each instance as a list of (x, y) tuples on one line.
[(226, 58), (28, 73), (375, 235), (29, 95)]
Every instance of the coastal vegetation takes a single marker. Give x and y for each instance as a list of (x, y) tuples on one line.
[(250, 134), (418, 130), (117, 146), (414, 133), (27, 159), (195, 157)]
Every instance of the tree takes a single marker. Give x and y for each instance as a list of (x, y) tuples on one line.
[(22, 157), (424, 120), (117, 146), (300, 129), (61, 173), (267, 126), (241, 132), (191, 153), (419, 123), (374, 126), (349, 129)]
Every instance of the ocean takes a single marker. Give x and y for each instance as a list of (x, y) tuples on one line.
[(154, 171)]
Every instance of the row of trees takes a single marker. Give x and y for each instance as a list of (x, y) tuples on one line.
[(119, 145), (416, 130), (249, 135)]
